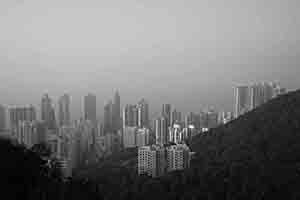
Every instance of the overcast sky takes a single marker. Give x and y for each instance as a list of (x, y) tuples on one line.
[(190, 53)]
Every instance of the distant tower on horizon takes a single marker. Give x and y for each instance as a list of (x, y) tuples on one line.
[(175, 117), (161, 131), (242, 103), (108, 117), (90, 108), (48, 112), (128, 116), (116, 115), (21, 113), (250, 97), (166, 112), (257, 95), (2, 117), (64, 110), (143, 113)]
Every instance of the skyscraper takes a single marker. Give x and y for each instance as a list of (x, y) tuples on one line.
[(242, 100), (175, 117), (108, 117), (127, 116), (64, 110), (161, 131), (166, 113), (212, 117), (143, 113), (189, 119), (116, 112), (48, 112), (258, 95), (2, 117), (129, 137), (24, 113), (175, 134), (250, 97), (90, 108), (135, 115), (268, 91)]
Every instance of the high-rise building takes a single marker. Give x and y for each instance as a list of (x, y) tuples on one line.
[(203, 120), (268, 91), (156, 160), (212, 117), (26, 133), (129, 137), (242, 100), (166, 113), (176, 134), (188, 133), (41, 131), (24, 113), (48, 112), (142, 137), (258, 95), (225, 117), (178, 157), (161, 131), (108, 117), (189, 119), (46, 108), (128, 116), (107, 144), (116, 112), (143, 114), (250, 97), (135, 137), (152, 161), (2, 118), (136, 115), (175, 117), (64, 110), (85, 136), (90, 108)]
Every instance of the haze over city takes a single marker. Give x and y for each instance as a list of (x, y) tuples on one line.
[(149, 99), (190, 54)]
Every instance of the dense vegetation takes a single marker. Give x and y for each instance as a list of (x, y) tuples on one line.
[(256, 156), (24, 175)]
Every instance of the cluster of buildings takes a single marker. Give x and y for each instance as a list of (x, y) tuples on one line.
[(160, 143), (249, 97), (157, 160), (169, 151), (71, 142)]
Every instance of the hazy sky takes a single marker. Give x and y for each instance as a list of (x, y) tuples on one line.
[(190, 53)]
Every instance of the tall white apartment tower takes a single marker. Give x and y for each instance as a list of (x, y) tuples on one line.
[(242, 103)]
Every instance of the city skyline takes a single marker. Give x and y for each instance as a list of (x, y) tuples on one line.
[(190, 54), (152, 100), (101, 111), (77, 112)]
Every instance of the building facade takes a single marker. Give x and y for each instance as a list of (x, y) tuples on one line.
[(64, 117), (90, 108)]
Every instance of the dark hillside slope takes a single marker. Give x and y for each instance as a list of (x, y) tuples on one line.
[(256, 156), (23, 175)]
